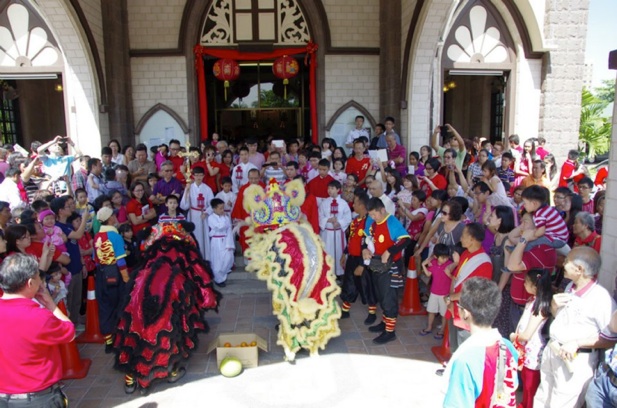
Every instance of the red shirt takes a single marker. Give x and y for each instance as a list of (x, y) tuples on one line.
[(319, 186), (567, 169), (238, 212), (135, 207), (29, 357), (540, 257), (593, 241), (601, 176), (358, 167), (440, 182), (356, 233), (36, 249), (211, 180), (485, 270)]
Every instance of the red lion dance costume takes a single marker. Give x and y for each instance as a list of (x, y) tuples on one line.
[(159, 325), (290, 257)]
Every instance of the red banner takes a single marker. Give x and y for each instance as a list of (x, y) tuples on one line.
[(310, 60)]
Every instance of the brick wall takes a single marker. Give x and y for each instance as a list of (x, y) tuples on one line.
[(565, 28), (159, 80), (154, 23), (353, 23), (80, 92), (608, 273), (92, 11)]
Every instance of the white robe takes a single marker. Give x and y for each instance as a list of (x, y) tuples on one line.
[(334, 239), (222, 246), (189, 203), (229, 199), (240, 175)]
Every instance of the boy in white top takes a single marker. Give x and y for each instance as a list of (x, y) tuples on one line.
[(195, 201), (334, 218), (221, 242), (357, 132), (228, 196), (240, 173)]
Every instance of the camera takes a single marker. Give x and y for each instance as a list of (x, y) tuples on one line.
[(443, 131)]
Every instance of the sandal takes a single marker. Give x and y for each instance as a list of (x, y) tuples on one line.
[(425, 332), (438, 336)]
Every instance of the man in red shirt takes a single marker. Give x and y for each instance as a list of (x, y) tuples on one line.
[(473, 262), (178, 161), (319, 185), (309, 207), (358, 164), (30, 360)]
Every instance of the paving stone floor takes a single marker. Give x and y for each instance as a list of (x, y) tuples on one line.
[(352, 371)]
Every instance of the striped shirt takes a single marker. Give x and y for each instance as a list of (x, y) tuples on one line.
[(548, 217)]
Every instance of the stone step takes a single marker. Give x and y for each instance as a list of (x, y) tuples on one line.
[(241, 282)]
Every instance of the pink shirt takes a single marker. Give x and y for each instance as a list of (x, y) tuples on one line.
[(441, 281), (549, 218), (29, 357)]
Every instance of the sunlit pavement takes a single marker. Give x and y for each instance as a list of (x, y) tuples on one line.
[(351, 372)]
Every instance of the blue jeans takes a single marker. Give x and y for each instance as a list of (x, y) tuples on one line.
[(601, 393)]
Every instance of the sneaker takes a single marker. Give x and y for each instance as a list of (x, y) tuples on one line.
[(176, 375), (385, 337), (109, 348), (345, 315), (440, 372), (129, 389), (220, 285), (370, 319), (378, 328)]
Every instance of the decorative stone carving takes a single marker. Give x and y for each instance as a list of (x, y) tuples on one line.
[(292, 25), (477, 43), (22, 46), (218, 25)]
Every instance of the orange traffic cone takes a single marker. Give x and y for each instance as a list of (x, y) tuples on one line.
[(93, 330), (411, 298), (443, 352), (73, 367)]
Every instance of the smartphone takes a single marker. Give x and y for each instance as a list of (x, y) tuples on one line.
[(444, 131)]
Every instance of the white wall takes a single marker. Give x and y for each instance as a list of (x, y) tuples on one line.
[(160, 128)]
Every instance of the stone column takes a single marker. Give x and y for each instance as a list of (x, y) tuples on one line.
[(608, 274), (390, 60), (118, 70), (565, 28)]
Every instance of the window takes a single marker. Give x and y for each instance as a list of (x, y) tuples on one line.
[(255, 21), (9, 112)]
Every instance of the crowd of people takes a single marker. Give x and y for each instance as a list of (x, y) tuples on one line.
[(506, 241)]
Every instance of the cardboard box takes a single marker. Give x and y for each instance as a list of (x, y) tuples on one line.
[(247, 355)]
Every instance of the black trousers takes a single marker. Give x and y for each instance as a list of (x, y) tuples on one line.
[(53, 399), (387, 288), (354, 286), (109, 298)]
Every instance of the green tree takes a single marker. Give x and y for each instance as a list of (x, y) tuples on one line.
[(595, 130), (606, 91), (268, 99)]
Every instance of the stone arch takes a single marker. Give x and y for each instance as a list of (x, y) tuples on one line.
[(192, 23), (78, 73), (160, 107), (343, 108)]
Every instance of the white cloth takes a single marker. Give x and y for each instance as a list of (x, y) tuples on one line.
[(221, 244), (340, 177), (499, 196), (312, 173), (240, 175), (334, 238), (189, 203), (229, 199), (9, 192), (388, 203), (356, 133), (119, 159)]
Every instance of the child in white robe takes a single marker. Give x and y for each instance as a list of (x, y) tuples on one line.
[(334, 218), (195, 201), (222, 244), (227, 195)]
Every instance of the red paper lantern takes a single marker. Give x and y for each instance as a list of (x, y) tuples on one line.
[(226, 70), (285, 67)]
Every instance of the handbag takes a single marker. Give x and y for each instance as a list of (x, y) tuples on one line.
[(111, 274), (377, 266)]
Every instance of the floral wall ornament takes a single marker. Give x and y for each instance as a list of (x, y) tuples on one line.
[(21, 46), (293, 28), (477, 43), (218, 27)]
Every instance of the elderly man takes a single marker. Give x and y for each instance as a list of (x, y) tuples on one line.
[(396, 154), (30, 360), (9, 191), (584, 230), (581, 312), (166, 186), (140, 167), (375, 189)]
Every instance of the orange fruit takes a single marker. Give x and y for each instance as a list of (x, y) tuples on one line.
[(227, 345), (243, 344), (253, 343)]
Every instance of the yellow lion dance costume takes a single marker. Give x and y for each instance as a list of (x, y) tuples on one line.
[(290, 257)]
